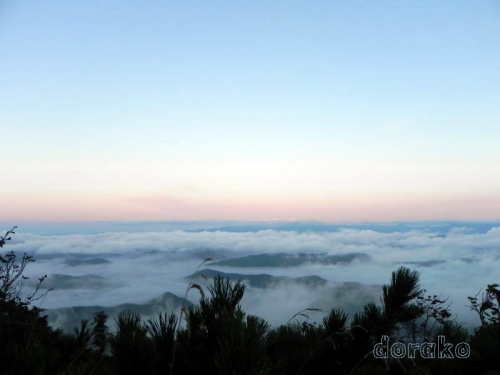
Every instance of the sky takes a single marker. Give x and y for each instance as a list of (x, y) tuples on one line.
[(261, 110)]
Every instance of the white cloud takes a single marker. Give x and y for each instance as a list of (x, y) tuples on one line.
[(137, 276)]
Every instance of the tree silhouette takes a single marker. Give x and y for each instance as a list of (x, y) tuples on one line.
[(132, 350), (162, 331), (403, 289), (220, 338)]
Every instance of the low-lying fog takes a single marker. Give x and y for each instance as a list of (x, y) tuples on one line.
[(113, 268)]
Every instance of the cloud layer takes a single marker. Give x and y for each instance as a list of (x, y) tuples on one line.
[(144, 265)]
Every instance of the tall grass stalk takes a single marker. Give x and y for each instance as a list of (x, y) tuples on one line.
[(183, 308)]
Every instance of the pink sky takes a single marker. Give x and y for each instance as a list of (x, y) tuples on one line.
[(81, 207)]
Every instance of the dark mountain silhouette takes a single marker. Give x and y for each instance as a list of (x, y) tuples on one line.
[(69, 317), (292, 260), (61, 281), (262, 280), (85, 262)]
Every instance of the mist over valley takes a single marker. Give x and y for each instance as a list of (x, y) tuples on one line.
[(284, 271)]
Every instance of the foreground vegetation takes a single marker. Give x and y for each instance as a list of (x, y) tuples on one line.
[(218, 337)]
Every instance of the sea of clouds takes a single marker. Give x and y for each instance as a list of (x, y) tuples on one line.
[(455, 264)]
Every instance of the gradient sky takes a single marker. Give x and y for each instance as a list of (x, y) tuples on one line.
[(312, 110)]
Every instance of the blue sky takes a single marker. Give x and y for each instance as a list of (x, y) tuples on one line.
[(334, 111)]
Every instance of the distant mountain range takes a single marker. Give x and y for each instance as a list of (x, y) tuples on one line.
[(261, 280), (349, 295), (86, 262), (61, 281), (68, 318), (317, 226), (94, 227), (291, 260)]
